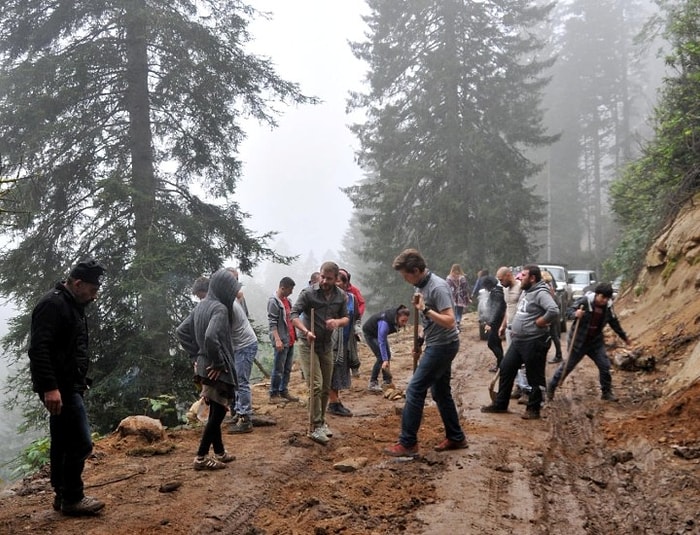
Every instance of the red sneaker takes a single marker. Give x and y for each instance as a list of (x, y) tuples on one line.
[(399, 450), (449, 444)]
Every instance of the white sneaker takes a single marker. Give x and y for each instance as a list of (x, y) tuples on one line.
[(326, 430), (318, 436)]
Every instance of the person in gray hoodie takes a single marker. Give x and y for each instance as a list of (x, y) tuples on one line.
[(530, 336), (206, 336)]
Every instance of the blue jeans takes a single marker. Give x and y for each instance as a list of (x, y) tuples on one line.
[(532, 353), (71, 445), (281, 370), (598, 355), (434, 371), (373, 344), (243, 362)]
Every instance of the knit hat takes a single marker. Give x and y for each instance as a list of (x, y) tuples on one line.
[(89, 270)]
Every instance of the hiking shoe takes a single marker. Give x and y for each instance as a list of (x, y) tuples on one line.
[(549, 395), (326, 430), (493, 369), (338, 409), (608, 396), (244, 425), (555, 359), (516, 393), (374, 387), (318, 436), (399, 450), (522, 400), (207, 463), (276, 399), (492, 408), (449, 444), (86, 507), (225, 457), (531, 415), (57, 503), (288, 397)]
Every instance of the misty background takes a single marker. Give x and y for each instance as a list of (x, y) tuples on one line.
[(314, 177)]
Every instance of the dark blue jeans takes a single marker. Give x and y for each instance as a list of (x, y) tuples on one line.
[(598, 355), (281, 370), (373, 344), (71, 445), (532, 353), (434, 372)]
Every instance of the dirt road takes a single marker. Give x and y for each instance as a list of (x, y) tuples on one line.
[(588, 467)]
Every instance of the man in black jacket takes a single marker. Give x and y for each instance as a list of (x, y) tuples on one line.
[(591, 313), (58, 361)]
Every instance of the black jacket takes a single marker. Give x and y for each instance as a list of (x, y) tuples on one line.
[(58, 345), (609, 318)]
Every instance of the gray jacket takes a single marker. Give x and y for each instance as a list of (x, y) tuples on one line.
[(534, 303), (277, 319), (206, 333)]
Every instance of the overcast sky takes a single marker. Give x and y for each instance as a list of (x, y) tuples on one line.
[(292, 174)]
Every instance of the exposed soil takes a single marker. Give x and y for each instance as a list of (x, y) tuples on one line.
[(588, 467)]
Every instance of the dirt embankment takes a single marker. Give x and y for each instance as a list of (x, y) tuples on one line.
[(587, 467)]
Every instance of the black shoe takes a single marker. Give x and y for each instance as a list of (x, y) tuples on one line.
[(555, 360), (244, 425), (549, 396), (56, 503), (531, 415), (338, 409), (492, 408), (608, 396)]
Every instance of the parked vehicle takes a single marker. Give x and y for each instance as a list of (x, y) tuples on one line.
[(563, 289), (579, 280)]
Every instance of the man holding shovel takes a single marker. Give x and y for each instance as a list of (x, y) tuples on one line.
[(591, 313), (329, 304), (434, 371)]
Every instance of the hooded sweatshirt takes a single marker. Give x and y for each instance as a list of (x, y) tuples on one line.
[(206, 333), (535, 302)]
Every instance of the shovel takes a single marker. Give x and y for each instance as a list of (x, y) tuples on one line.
[(492, 384), (568, 351)]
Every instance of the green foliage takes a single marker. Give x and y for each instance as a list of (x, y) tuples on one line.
[(162, 407), (122, 121), (654, 187), (32, 458), (669, 268)]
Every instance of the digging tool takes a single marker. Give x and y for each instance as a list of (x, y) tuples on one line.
[(417, 349), (492, 392), (312, 358), (568, 351)]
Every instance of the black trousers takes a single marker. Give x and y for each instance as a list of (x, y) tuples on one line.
[(533, 354)]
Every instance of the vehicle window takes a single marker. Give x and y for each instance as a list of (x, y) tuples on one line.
[(580, 278)]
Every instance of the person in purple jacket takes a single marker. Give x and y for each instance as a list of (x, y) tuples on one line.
[(376, 331)]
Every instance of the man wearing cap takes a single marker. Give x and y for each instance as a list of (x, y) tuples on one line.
[(58, 362), (591, 313)]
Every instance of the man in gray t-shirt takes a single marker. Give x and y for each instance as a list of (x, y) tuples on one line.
[(434, 371)]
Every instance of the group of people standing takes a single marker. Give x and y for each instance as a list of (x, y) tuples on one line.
[(323, 323)]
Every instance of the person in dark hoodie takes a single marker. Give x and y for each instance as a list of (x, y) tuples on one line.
[(496, 306), (58, 362), (376, 331), (206, 335), (591, 313), (536, 310)]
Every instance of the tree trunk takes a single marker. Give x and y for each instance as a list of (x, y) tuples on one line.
[(144, 187)]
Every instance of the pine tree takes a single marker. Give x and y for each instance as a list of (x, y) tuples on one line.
[(453, 100), (121, 120)]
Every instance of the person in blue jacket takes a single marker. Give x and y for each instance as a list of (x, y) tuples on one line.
[(376, 331)]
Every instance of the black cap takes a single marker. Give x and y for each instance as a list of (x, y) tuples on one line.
[(89, 270)]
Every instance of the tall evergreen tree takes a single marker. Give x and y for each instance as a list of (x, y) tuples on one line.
[(121, 119), (453, 99), (668, 173), (595, 102)]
